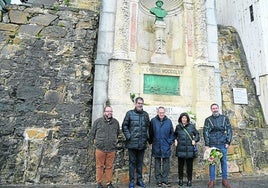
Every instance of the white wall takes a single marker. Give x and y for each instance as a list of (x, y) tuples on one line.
[(254, 36)]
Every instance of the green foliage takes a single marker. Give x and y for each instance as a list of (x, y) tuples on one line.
[(132, 96), (108, 102), (56, 6), (192, 115), (9, 41), (39, 36), (60, 25), (67, 2), (212, 156)]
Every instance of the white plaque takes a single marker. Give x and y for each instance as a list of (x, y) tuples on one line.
[(240, 95)]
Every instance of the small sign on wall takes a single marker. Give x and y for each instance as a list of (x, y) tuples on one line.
[(240, 95)]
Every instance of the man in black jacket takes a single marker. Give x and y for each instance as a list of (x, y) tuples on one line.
[(135, 128), (105, 133), (217, 133)]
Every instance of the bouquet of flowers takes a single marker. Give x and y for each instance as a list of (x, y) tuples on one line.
[(212, 156)]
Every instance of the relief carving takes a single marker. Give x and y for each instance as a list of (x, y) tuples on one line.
[(200, 30), (121, 47)]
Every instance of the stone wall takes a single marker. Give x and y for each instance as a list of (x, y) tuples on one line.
[(248, 153), (46, 82), (235, 74)]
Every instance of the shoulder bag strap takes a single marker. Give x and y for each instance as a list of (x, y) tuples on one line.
[(225, 131), (210, 122), (187, 132)]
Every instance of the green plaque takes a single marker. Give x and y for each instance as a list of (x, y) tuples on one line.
[(161, 85)]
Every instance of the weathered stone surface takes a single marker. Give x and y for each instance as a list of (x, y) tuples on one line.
[(31, 30), (8, 27), (83, 25), (46, 85), (93, 5), (18, 17), (44, 2), (46, 97), (29, 92), (234, 74), (43, 20), (53, 32), (54, 97)]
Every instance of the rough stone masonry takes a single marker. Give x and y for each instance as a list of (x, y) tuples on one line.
[(46, 80), (47, 57)]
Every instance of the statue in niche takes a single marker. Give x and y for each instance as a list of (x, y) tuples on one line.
[(160, 52), (158, 11)]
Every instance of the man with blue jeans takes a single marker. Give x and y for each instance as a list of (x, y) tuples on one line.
[(217, 133)]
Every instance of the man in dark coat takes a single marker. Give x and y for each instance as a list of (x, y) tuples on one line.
[(161, 134), (217, 133), (135, 128)]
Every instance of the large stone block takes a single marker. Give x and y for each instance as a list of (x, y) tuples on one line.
[(18, 17), (8, 27)]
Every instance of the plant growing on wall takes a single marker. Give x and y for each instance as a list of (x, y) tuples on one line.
[(67, 2), (192, 116), (132, 96)]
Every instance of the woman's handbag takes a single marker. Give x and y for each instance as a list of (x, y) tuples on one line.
[(195, 147), (195, 151)]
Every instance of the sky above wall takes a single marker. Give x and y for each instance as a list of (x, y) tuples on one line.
[(15, 2)]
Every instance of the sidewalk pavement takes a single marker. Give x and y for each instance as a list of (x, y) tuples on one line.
[(241, 182)]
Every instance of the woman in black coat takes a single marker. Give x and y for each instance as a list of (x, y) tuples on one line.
[(186, 136)]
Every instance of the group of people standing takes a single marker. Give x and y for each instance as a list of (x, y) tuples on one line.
[(139, 130), (162, 136)]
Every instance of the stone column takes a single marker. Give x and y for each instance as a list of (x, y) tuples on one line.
[(213, 57), (133, 28), (121, 40), (189, 29), (206, 66), (120, 66), (104, 53)]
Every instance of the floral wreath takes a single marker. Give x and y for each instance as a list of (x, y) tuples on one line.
[(212, 155)]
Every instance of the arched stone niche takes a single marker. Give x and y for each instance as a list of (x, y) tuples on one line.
[(175, 32)]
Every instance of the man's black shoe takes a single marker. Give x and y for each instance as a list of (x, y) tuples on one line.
[(110, 185), (189, 183), (180, 182), (141, 184)]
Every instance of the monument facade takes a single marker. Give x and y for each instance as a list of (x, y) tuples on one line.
[(161, 54)]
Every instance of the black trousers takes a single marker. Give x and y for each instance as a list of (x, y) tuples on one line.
[(135, 163), (189, 165), (162, 166)]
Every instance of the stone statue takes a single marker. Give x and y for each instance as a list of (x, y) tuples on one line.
[(158, 11)]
